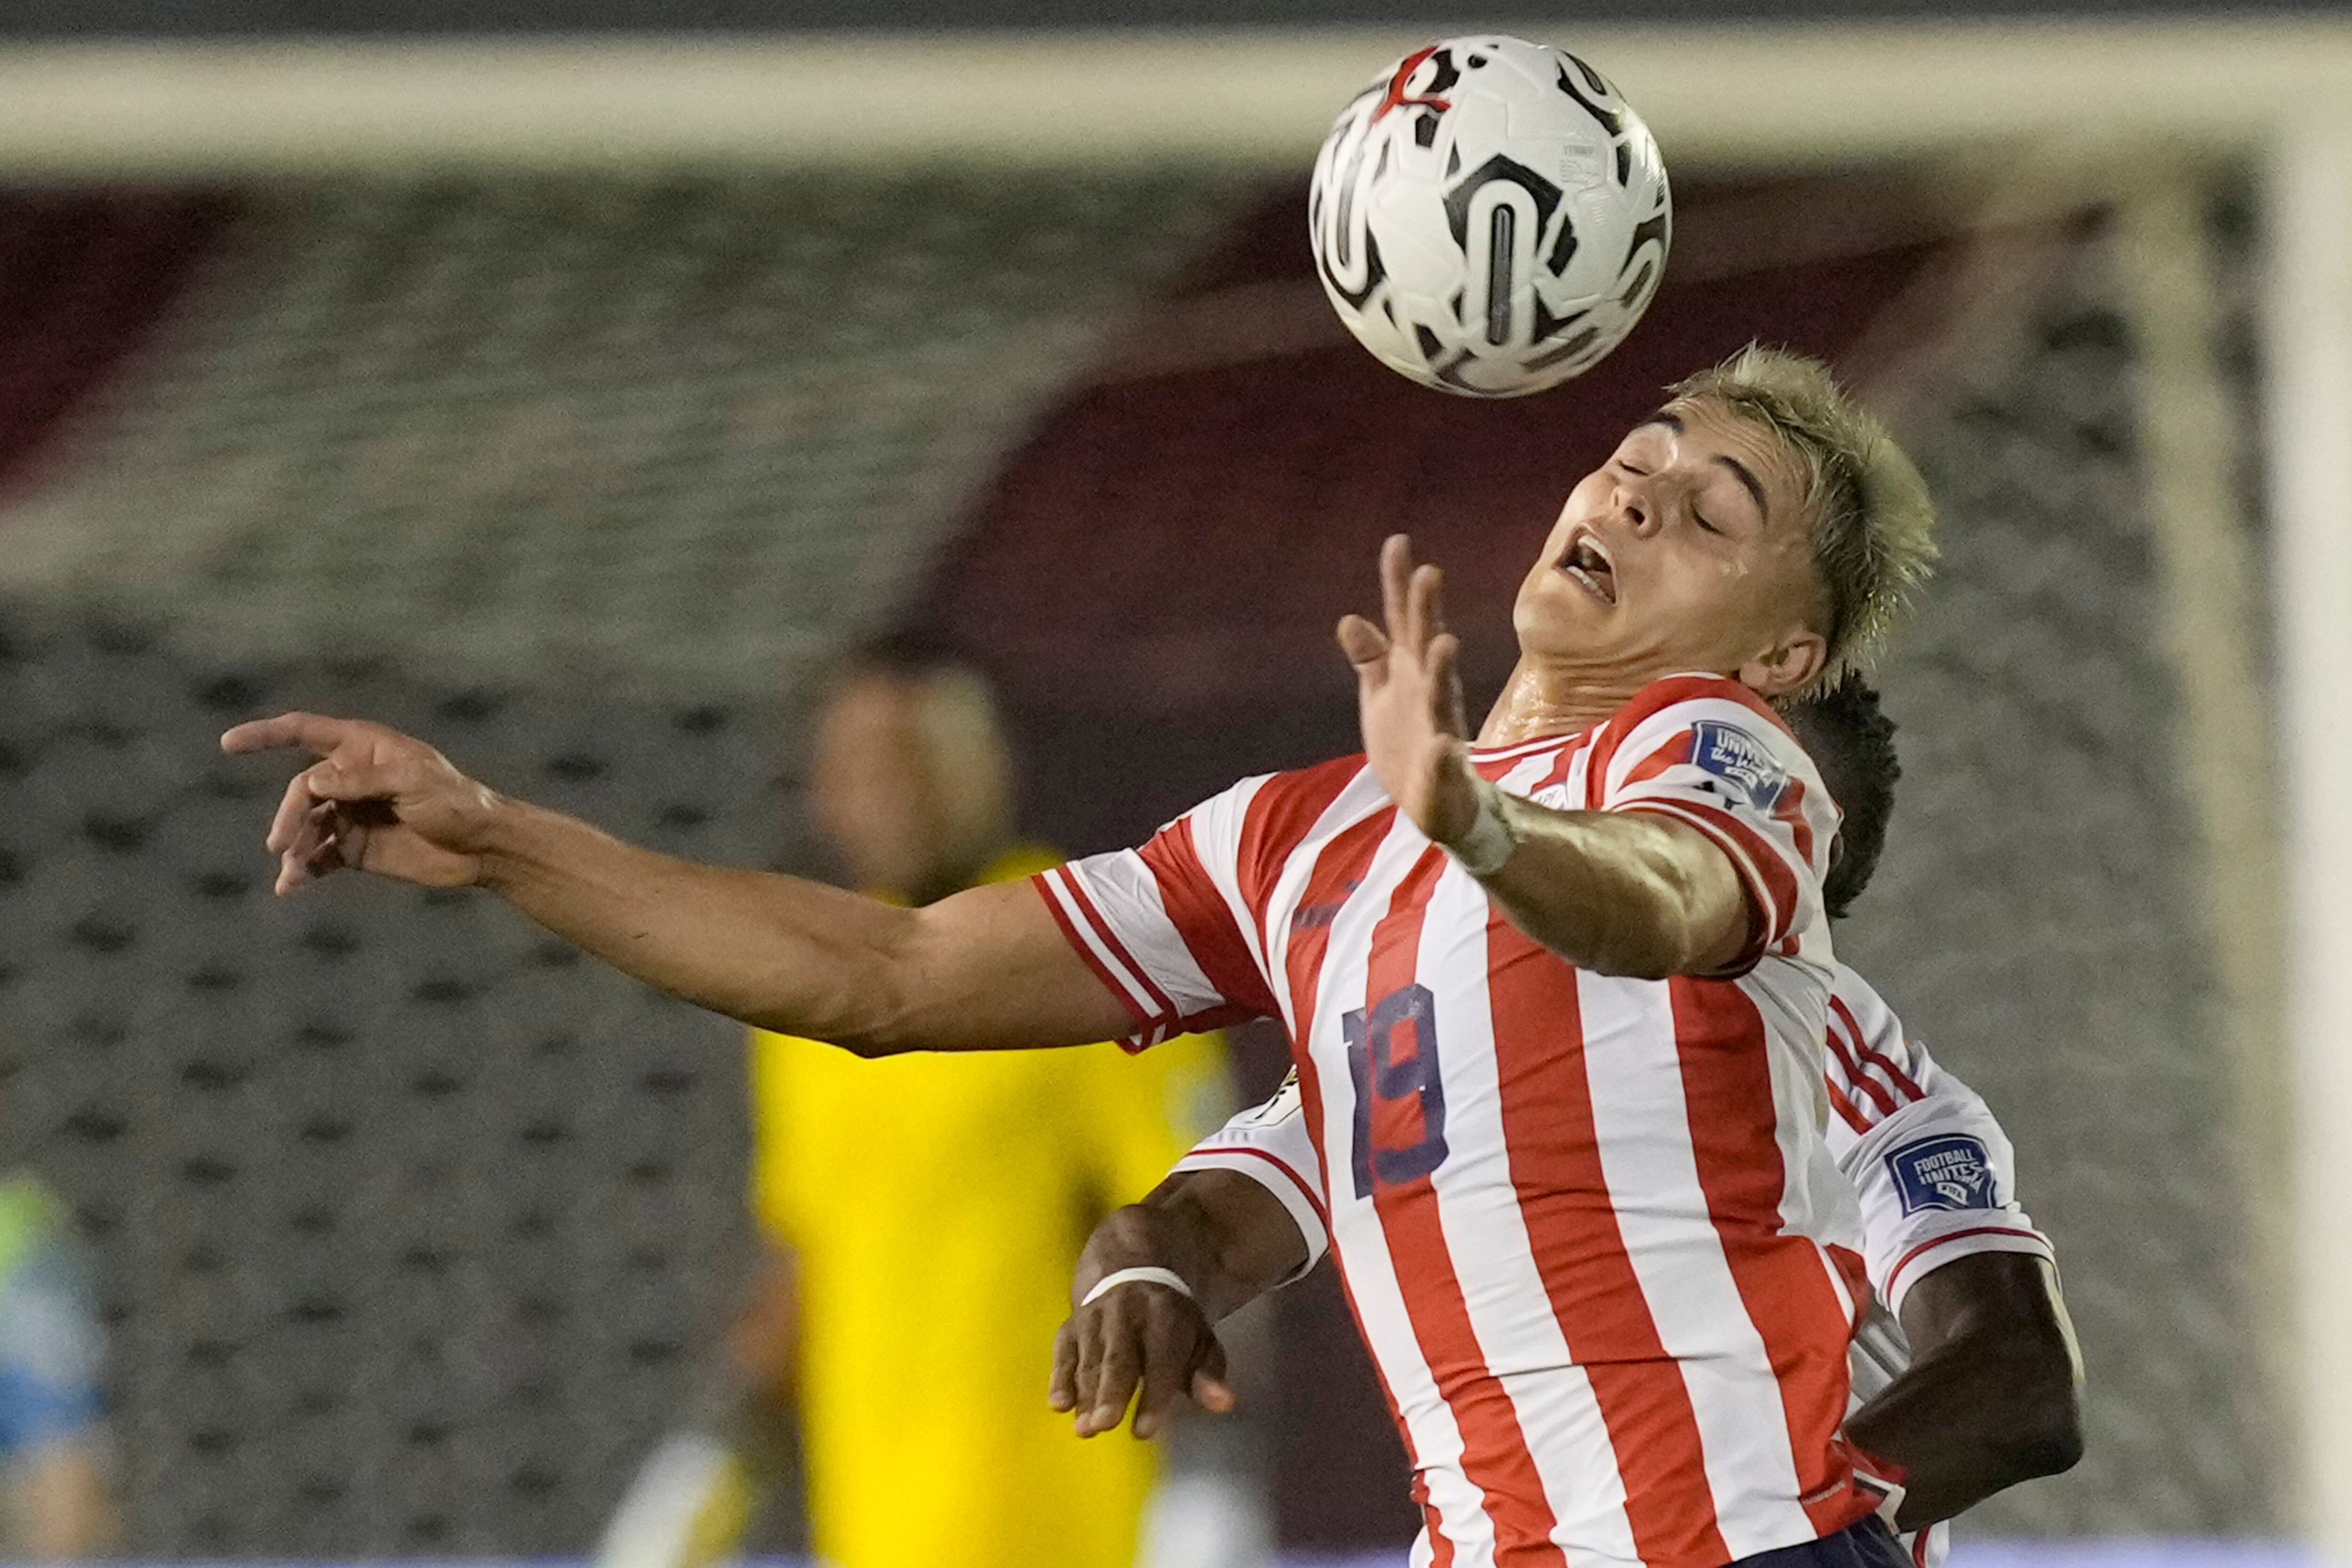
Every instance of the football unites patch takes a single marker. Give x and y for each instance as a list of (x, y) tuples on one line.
[(1739, 760), (1948, 1173)]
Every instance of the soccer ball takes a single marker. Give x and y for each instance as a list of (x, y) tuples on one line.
[(1490, 216)]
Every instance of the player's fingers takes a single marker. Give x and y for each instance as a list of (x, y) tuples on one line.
[(308, 730), (351, 777), (1396, 571), (1116, 1380), (299, 861), (292, 807), (1210, 1392), (1170, 1338), (1426, 603), (1445, 684), (1088, 1333), (1366, 648), (1412, 635), (1062, 1387)]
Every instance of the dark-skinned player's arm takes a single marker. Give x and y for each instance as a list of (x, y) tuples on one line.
[(1615, 892), (987, 968), (1992, 1395), (1229, 1239)]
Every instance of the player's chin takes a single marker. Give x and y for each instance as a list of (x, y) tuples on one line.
[(1555, 613)]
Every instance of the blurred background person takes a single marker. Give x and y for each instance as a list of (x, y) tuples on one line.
[(53, 1449), (916, 1263)]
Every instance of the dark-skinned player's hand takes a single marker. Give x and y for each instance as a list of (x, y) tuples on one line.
[(1142, 1345)]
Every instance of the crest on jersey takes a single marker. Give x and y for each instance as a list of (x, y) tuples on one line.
[(1739, 760), (1948, 1173)]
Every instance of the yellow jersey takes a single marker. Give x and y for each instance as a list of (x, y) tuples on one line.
[(935, 1205)]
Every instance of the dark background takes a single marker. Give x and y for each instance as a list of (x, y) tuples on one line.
[(232, 18)]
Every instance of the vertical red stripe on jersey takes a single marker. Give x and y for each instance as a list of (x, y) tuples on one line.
[(1734, 1120), (1844, 1108), (1281, 814), (1494, 1453), (1201, 915), (1841, 1049), (1902, 1080), (1339, 869), (1580, 1254)]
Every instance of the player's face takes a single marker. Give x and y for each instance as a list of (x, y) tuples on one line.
[(870, 786), (1689, 549)]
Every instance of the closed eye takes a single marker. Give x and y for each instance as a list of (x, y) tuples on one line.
[(1704, 523)]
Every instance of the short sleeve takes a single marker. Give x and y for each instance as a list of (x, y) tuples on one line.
[(1704, 752), (1165, 926), (1937, 1182), (1271, 1145)]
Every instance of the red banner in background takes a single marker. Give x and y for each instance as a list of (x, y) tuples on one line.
[(84, 278)]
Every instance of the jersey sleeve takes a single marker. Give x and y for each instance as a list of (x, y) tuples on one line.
[(1270, 1145), (1934, 1173), (1165, 927), (1704, 752)]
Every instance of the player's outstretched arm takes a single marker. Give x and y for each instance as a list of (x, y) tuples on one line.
[(1616, 893), (1228, 1238), (987, 968), (1992, 1394)]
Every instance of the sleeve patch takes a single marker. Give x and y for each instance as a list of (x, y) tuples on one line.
[(1952, 1172), (1739, 760)]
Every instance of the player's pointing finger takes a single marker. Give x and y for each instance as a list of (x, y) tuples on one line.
[(1396, 572), (306, 730)]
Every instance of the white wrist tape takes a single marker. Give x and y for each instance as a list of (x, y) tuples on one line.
[(1113, 1280), (1489, 842)]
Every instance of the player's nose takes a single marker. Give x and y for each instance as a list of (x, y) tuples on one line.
[(1635, 509)]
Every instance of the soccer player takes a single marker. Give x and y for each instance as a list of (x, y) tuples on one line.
[(1556, 997), (55, 1458), (1982, 1393), (923, 1443)]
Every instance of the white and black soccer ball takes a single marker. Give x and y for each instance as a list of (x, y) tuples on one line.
[(1490, 216)]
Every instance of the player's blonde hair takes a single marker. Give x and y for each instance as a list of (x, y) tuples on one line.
[(1874, 524)]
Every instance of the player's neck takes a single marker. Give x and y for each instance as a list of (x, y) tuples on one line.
[(1543, 699)]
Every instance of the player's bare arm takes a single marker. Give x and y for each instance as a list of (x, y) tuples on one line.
[(1146, 1344), (1613, 892), (1992, 1394), (986, 968)]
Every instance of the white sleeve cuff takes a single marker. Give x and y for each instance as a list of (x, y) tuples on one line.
[(1287, 1187), (1931, 1255)]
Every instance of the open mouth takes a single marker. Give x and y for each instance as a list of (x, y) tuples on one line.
[(1584, 561)]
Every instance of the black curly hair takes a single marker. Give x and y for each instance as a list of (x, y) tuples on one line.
[(1852, 742)]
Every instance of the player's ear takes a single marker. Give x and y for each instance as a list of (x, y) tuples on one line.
[(1787, 665)]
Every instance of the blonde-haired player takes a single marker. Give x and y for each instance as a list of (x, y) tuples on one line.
[(921, 1213), (1547, 980)]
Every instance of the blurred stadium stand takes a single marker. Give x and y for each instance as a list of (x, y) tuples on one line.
[(406, 1222)]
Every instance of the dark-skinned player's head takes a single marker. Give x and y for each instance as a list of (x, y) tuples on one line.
[(1852, 742), (1759, 525), (911, 780)]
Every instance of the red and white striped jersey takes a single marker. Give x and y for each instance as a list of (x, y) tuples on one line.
[(1590, 1226), (1932, 1168)]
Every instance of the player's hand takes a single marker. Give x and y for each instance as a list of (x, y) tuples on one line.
[(1409, 697), (375, 800), (1141, 1336)]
